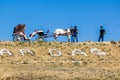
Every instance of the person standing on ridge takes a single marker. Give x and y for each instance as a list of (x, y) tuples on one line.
[(75, 34), (71, 30), (102, 33)]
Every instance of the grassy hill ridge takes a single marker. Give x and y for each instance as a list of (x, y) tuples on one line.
[(42, 66)]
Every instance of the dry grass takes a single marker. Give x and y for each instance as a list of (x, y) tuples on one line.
[(38, 67)]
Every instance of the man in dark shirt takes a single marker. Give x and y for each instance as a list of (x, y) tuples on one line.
[(102, 33)]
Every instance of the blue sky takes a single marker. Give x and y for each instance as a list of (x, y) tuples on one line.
[(88, 15)]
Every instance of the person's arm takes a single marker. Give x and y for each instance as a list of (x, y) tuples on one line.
[(77, 31), (104, 32)]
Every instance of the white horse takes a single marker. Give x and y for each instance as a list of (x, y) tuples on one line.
[(62, 32)]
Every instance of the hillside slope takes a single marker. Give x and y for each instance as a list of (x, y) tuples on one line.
[(42, 66)]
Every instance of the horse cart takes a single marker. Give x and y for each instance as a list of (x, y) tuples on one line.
[(41, 35), (19, 34)]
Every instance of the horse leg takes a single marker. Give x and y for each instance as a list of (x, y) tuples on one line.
[(68, 38), (55, 37)]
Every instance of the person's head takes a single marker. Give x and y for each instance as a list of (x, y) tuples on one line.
[(75, 27), (101, 27)]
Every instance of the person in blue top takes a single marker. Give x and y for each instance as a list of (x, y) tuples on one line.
[(102, 33), (75, 34)]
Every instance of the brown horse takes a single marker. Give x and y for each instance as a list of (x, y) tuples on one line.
[(18, 33)]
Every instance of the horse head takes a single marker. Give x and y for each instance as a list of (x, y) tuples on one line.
[(48, 31)]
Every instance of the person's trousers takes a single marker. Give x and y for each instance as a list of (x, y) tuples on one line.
[(101, 37), (75, 38)]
